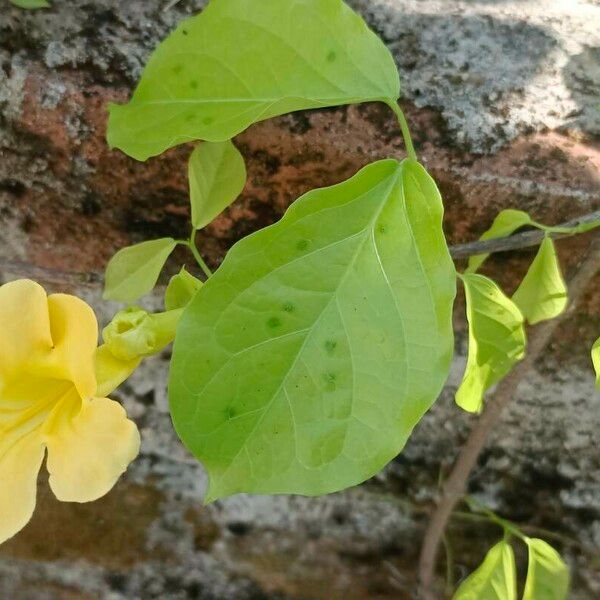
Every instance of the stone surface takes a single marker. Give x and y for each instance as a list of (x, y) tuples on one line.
[(502, 99)]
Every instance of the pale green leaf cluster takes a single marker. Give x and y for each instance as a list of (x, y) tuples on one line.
[(547, 574), (181, 289), (306, 360), (133, 271), (217, 175), (509, 220), (494, 579), (542, 294), (243, 61), (496, 339), (30, 4)]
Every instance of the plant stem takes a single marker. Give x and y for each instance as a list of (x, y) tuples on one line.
[(455, 486), (481, 518), (191, 244), (520, 240), (503, 244), (410, 149)]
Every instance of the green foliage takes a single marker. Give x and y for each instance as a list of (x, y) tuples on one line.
[(506, 223), (596, 360), (542, 294), (181, 289), (243, 61), (494, 579), (133, 271), (30, 4), (306, 360), (509, 220), (496, 339), (217, 175), (547, 574)]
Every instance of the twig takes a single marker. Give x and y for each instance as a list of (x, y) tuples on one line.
[(513, 242), (455, 486), (519, 240)]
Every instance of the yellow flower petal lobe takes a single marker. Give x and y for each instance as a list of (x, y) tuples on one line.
[(75, 337), (24, 326), (19, 467), (90, 444)]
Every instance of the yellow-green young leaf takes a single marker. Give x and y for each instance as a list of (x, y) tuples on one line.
[(542, 294), (309, 356), (181, 289), (547, 574), (133, 271), (495, 579), (243, 61), (596, 360), (217, 175), (506, 222), (496, 339), (30, 4)]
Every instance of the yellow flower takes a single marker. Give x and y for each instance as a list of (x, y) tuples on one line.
[(50, 399)]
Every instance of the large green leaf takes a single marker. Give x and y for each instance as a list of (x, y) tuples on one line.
[(217, 175), (496, 339), (596, 360), (542, 294), (506, 223), (133, 271), (495, 578), (242, 61), (305, 361), (547, 574)]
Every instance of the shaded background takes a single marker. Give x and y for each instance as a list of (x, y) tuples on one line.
[(503, 100)]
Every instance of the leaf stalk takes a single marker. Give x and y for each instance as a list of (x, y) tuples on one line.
[(191, 244), (410, 149)]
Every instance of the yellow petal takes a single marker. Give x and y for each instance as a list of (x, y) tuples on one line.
[(90, 445), (24, 326), (19, 467), (111, 372), (75, 335)]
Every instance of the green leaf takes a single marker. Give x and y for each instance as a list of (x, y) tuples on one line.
[(309, 356), (596, 360), (542, 294), (30, 4), (496, 339), (181, 289), (133, 271), (547, 574), (495, 578), (243, 61), (506, 223), (217, 175)]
